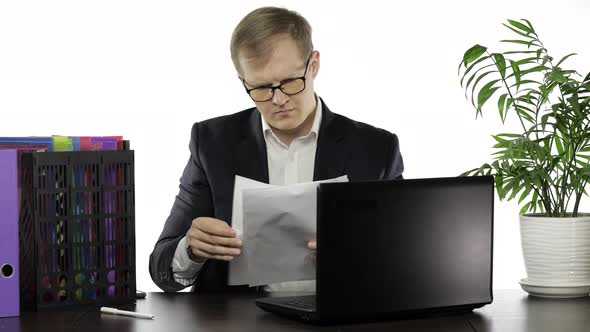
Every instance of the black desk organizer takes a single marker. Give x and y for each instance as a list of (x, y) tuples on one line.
[(77, 228)]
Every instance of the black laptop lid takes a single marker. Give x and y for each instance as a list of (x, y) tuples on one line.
[(393, 246)]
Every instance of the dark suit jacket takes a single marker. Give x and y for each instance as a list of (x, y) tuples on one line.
[(234, 145)]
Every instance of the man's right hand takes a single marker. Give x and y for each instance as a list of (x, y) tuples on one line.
[(214, 239)]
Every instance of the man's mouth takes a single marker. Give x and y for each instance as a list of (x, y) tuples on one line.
[(283, 111)]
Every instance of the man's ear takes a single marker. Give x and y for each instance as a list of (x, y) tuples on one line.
[(315, 64)]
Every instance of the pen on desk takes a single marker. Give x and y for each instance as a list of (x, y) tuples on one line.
[(115, 311)]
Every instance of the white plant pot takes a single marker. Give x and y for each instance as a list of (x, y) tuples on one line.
[(556, 250)]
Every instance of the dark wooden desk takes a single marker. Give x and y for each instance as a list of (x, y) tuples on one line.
[(512, 310)]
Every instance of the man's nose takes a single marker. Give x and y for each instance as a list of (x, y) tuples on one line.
[(279, 98)]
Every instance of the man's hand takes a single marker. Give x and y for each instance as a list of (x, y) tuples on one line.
[(214, 239), (312, 245)]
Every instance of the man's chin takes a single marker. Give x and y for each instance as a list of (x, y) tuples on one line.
[(284, 125)]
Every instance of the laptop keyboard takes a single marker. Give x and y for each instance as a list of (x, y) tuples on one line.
[(304, 302)]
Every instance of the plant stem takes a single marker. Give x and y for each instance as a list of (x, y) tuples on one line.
[(579, 197), (546, 203)]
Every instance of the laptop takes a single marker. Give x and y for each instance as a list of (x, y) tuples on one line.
[(398, 249)]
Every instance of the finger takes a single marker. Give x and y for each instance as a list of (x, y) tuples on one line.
[(218, 240), (312, 245), (200, 253), (215, 227), (217, 250)]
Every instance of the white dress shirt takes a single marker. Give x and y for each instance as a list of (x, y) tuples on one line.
[(287, 164)]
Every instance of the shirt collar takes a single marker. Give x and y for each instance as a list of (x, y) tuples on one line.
[(315, 128)]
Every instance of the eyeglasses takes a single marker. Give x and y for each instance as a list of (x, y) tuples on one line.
[(291, 86)]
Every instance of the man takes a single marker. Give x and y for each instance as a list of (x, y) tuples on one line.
[(289, 137)]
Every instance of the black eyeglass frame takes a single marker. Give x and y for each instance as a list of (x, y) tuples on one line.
[(280, 86)]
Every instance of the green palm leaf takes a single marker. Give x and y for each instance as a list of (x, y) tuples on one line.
[(473, 54)]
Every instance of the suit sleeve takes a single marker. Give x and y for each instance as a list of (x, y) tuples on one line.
[(193, 200), (395, 164)]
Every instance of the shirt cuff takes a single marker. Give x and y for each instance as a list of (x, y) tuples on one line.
[(184, 269)]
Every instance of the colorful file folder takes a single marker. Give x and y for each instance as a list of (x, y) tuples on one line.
[(73, 202)]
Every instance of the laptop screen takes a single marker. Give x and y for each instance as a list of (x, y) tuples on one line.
[(399, 245)]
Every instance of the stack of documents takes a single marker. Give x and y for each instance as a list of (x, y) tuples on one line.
[(275, 224)]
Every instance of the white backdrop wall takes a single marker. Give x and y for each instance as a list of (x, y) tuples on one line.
[(149, 69)]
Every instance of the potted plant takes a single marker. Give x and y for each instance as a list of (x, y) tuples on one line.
[(546, 166)]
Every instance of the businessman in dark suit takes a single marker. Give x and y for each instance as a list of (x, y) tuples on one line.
[(290, 136)]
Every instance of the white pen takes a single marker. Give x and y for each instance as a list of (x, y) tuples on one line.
[(115, 311)]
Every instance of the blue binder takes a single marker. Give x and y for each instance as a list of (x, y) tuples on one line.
[(28, 141)]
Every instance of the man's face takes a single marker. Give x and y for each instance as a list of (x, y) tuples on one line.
[(283, 112)]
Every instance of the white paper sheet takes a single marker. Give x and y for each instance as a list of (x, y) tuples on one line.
[(275, 224), (238, 268)]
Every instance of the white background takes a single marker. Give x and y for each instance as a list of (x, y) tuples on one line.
[(149, 69)]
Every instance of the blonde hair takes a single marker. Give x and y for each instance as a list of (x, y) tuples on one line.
[(254, 34)]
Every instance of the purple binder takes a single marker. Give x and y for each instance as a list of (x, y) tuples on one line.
[(9, 276)]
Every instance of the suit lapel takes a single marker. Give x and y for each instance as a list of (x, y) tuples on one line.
[(252, 161), (331, 153)]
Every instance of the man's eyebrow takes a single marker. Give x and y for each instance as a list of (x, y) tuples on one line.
[(267, 85), (262, 85)]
